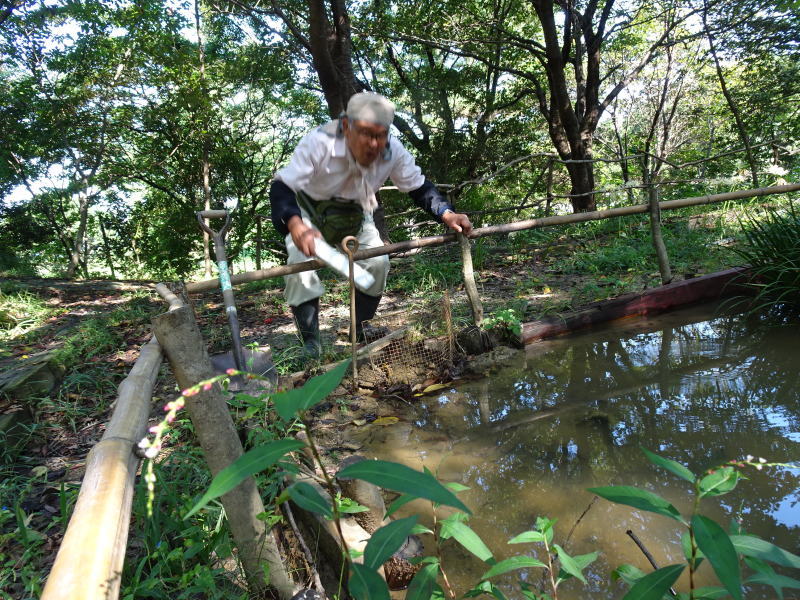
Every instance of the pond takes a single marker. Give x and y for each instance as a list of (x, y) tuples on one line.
[(572, 413)]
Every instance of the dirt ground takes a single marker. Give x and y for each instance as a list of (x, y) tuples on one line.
[(266, 319)]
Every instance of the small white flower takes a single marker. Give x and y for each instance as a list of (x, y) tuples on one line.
[(749, 457), (762, 460), (151, 452), (144, 443)]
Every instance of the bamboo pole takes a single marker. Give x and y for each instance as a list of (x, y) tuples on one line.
[(178, 333), (88, 565), (438, 240)]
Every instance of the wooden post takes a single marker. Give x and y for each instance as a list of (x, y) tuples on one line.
[(180, 337), (469, 280), (258, 242), (88, 565), (655, 231)]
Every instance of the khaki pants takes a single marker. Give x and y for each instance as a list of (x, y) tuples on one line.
[(305, 286)]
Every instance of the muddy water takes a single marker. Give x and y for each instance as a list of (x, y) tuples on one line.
[(570, 414)]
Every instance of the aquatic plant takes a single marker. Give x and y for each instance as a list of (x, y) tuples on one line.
[(703, 538), (772, 250)]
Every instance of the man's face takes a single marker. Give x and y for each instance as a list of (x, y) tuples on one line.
[(365, 140)]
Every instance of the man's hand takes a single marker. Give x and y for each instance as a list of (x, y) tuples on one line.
[(303, 235), (458, 222)]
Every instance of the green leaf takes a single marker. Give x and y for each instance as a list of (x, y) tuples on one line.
[(641, 499), (628, 573), (386, 540), (718, 549), (419, 529), (366, 584), (528, 537), (721, 481), (421, 586), (573, 565), (467, 538), (247, 464), (401, 500), (654, 585), (670, 465), (775, 581), (307, 497), (394, 476), (511, 564), (456, 487), (750, 545), (315, 390), (705, 593)]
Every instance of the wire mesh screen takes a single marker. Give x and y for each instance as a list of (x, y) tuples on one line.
[(420, 349)]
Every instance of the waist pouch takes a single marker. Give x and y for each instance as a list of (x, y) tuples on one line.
[(335, 219)]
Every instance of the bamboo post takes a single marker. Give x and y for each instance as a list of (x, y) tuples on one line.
[(438, 240), (180, 337), (89, 562), (258, 242), (664, 269), (469, 280)]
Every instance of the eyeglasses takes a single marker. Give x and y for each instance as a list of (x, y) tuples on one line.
[(368, 136)]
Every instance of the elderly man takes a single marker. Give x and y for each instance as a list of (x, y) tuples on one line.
[(328, 191)]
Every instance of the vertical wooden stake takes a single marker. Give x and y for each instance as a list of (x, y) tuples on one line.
[(179, 336), (469, 280)]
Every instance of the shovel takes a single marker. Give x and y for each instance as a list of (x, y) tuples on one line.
[(257, 361)]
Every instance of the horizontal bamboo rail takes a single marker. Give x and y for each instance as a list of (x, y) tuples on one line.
[(438, 240), (88, 565)]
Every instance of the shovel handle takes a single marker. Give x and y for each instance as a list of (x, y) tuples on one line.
[(214, 214)]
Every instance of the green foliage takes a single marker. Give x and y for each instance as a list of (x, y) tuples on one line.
[(772, 250), (703, 538), (504, 319)]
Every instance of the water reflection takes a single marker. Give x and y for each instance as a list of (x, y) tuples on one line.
[(572, 413)]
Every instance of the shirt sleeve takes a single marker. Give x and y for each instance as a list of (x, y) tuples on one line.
[(405, 173)]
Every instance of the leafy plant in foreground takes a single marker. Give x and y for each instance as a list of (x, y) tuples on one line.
[(703, 539), (364, 582)]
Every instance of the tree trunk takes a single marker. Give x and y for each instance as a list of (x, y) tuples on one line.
[(658, 240), (76, 254)]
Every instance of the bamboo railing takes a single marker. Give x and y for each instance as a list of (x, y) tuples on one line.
[(88, 565), (438, 240)]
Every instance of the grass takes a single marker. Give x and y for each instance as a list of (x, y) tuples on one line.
[(772, 250)]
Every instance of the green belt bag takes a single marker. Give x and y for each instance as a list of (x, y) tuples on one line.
[(336, 219)]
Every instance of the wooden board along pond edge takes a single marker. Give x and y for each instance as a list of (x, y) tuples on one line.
[(705, 288)]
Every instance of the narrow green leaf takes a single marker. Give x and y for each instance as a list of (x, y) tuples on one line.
[(420, 529), (421, 586), (670, 465), (721, 481), (750, 545), (705, 593), (307, 497), (385, 541), (527, 537), (573, 565), (314, 391), (249, 463), (366, 584), (718, 549), (654, 585), (394, 476), (775, 581), (641, 499), (456, 487), (401, 500), (628, 573), (511, 564), (467, 538)]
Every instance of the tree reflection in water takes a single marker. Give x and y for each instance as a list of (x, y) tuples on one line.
[(572, 413)]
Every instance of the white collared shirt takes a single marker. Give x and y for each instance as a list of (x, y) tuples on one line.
[(322, 167)]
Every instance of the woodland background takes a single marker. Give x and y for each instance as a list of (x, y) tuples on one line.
[(120, 119)]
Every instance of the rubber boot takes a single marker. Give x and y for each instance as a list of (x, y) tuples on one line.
[(366, 306), (306, 318)]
